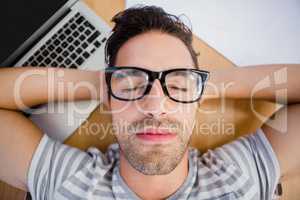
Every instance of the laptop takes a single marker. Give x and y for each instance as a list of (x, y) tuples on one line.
[(54, 33)]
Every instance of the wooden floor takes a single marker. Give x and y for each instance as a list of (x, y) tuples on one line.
[(10, 193)]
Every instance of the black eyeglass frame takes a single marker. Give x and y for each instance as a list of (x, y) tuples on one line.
[(153, 75)]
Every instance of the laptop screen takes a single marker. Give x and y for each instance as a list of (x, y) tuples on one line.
[(20, 19)]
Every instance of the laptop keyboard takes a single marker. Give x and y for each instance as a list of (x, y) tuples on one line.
[(74, 43)]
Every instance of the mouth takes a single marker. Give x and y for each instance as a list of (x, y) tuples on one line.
[(156, 136)]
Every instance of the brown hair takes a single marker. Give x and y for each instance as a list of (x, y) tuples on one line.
[(140, 19)]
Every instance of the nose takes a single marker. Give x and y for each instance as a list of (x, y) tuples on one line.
[(153, 104), (156, 90)]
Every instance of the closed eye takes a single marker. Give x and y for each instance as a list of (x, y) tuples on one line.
[(177, 88), (133, 89)]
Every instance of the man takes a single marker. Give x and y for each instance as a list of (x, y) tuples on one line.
[(152, 85)]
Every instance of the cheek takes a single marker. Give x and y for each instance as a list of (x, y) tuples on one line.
[(186, 115), (123, 113), (184, 111), (120, 109)]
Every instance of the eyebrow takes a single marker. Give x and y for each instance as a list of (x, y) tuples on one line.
[(179, 72), (129, 72)]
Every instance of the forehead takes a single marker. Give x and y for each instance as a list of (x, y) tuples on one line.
[(155, 51)]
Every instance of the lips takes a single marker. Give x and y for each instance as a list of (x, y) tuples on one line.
[(156, 135)]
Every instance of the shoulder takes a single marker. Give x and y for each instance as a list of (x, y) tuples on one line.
[(94, 176), (245, 166), (217, 177), (59, 169)]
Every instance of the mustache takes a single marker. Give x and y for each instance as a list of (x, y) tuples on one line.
[(164, 124)]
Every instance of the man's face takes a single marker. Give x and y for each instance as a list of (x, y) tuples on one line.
[(153, 132)]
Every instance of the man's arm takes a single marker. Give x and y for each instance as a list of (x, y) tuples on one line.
[(284, 136), (27, 86), (34, 86), (257, 82), (277, 83), (19, 139)]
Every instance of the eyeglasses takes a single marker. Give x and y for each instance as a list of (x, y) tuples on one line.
[(183, 85)]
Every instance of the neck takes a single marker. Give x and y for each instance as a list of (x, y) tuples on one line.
[(157, 186)]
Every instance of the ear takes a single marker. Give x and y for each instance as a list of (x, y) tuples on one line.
[(103, 90), (105, 98), (106, 102)]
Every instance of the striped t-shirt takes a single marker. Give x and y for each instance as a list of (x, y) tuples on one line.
[(244, 169)]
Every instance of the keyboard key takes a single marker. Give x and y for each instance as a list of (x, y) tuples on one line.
[(67, 32), (66, 25), (48, 42), (51, 47), (59, 50), (62, 37), (79, 61), (64, 44), (73, 26), (73, 66), (45, 53), (97, 44), (67, 61), (54, 36), (73, 56), (54, 64), (84, 45), (30, 59), (47, 61), (93, 37), (79, 50), (86, 55), (60, 59), (82, 38), (53, 55), (87, 32), (86, 23), (62, 65), (81, 28), (34, 63), (93, 50), (43, 47), (80, 20), (75, 34), (70, 39), (39, 58), (56, 42), (77, 14), (36, 53), (104, 39), (41, 64), (77, 42), (65, 54), (71, 48)]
